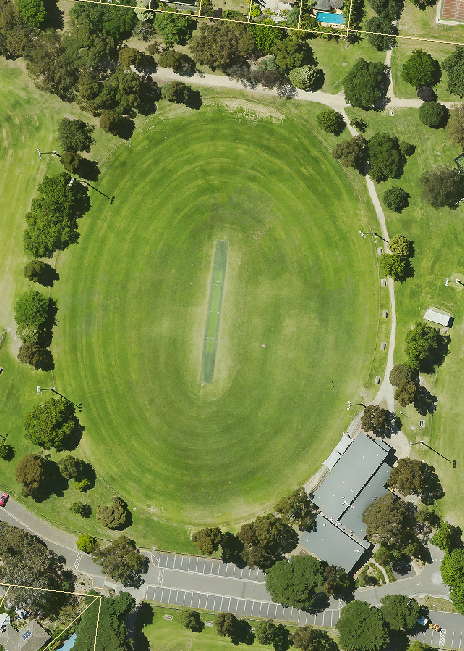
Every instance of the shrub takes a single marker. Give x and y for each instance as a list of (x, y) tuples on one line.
[(71, 467), (400, 245), (113, 516), (35, 270), (190, 619), (175, 91), (305, 77), (396, 198), (331, 121), (433, 114), (86, 543), (351, 153), (6, 451), (31, 472), (426, 94), (84, 510), (455, 126), (33, 354), (84, 485), (208, 539)]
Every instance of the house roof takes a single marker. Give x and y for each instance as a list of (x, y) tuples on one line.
[(29, 638), (352, 518), (435, 316), (322, 5), (333, 545), (349, 475)]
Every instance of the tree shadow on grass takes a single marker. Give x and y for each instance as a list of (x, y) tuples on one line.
[(88, 169), (144, 618), (243, 633), (126, 128)]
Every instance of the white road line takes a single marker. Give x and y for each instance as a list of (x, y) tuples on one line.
[(331, 618), (77, 561)]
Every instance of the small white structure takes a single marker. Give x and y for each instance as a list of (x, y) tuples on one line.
[(435, 316), (4, 619), (332, 459)]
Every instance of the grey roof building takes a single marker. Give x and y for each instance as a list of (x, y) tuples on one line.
[(30, 638), (356, 480)]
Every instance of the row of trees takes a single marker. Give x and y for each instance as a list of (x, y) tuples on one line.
[(121, 560), (34, 316), (396, 264)]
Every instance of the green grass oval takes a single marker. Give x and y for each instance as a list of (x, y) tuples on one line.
[(133, 299)]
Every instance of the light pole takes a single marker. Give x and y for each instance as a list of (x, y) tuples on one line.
[(40, 389), (42, 153), (363, 234), (86, 183), (453, 462)]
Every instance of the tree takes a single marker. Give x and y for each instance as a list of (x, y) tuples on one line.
[(265, 630), (396, 198), (442, 186), (51, 423), (52, 220), (129, 56), (362, 627), (264, 36), (176, 91), (174, 27), (309, 638), (75, 135), (400, 245), (386, 158), (226, 624), (87, 544), (6, 451), (406, 392), (447, 537), (31, 310), (208, 540), (400, 612), (176, 60), (32, 12), (298, 509), (388, 10), (336, 581), (426, 94), (395, 266), (380, 27), (265, 541), (305, 77), (433, 114), (37, 271), (422, 342), (109, 613), (455, 126), (351, 153), (114, 516), (390, 521), (331, 121), (375, 419), (35, 355), (297, 582), (84, 485), (402, 373), (26, 561), (421, 69), (71, 161), (190, 619), (452, 573), (292, 52), (84, 510), (114, 21), (363, 84), (110, 122), (71, 467), (122, 561), (219, 45), (31, 472), (454, 66)]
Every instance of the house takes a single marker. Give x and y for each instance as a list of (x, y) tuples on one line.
[(30, 638), (436, 316), (357, 477)]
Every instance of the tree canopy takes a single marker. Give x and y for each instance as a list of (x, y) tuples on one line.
[(51, 423), (363, 84), (308, 638), (265, 540), (422, 343), (31, 314), (442, 186), (401, 373), (400, 245), (331, 121), (52, 220), (292, 52), (174, 27), (421, 69), (115, 515), (298, 583), (112, 631), (400, 612), (305, 77), (362, 627), (208, 539), (433, 114), (379, 27), (452, 572), (26, 560), (455, 126), (351, 153), (190, 619), (219, 44), (122, 561), (386, 158), (75, 135), (375, 419), (33, 12), (109, 20), (32, 473), (408, 477), (454, 66), (395, 266), (447, 537), (298, 509), (390, 521)]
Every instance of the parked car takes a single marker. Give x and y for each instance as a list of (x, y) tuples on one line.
[(4, 499)]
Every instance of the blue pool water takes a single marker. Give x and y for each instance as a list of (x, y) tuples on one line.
[(68, 645), (326, 17)]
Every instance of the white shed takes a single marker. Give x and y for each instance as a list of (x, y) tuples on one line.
[(435, 316)]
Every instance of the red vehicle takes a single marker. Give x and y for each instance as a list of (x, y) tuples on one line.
[(4, 499)]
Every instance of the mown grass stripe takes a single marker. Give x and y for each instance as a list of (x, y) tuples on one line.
[(214, 312)]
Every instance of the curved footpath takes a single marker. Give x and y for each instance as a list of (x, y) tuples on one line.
[(212, 585)]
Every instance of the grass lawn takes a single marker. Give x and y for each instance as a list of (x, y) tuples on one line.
[(159, 634), (422, 23), (438, 242), (133, 295)]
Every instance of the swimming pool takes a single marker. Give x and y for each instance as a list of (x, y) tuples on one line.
[(326, 17)]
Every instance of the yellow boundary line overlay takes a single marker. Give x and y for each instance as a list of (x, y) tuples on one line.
[(79, 594), (289, 29), (301, 9)]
